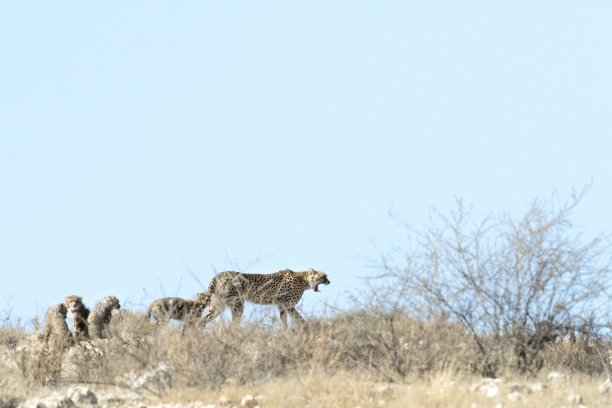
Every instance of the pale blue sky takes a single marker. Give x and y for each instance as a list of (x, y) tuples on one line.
[(138, 138)]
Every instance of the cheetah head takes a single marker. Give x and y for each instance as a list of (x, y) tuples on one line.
[(203, 298), (112, 302), (316, 278), (74, 303), (60, 310), (198, 309)]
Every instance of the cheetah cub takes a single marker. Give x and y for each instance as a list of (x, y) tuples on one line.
[(55, 324), (78, 316), (100, 316), (188, 311)]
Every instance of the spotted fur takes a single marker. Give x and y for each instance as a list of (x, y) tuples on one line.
[(100, 316), (56, 327), (283, 289), (78, 317), (188, 311)]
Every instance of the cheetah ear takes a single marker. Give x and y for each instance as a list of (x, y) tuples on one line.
[(310, 270)]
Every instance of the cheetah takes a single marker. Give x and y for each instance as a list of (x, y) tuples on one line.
[(100, 316), (55, 324), (78, 316), (188, 311), (283, 289)]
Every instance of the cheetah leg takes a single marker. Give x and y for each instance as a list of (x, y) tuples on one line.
[(211, 314), (161, 318), (283, 316), (95, 333), (237, 307), (295, 315)]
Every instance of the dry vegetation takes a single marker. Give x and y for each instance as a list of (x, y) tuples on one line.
[(364, 358), (493, 313)]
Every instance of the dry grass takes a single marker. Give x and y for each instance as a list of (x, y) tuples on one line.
[(360, 358)]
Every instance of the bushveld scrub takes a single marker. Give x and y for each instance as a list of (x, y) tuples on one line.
[(378, 346), (426, 361), (523, 282)]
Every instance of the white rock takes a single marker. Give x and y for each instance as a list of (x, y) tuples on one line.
[(54, 400), (575, 399), (159, 377), (223, 400), (83, 395), (248, 401), (516, 396), (492, 391), (484, 384), (554, 376), (383, 388), (605, 386), (537, 387)]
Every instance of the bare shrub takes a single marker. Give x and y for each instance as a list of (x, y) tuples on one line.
[(40, 363), (10, 337), (512, 284), (393, 346), (585, 350)]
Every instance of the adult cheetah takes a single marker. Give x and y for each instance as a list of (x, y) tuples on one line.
[(101, 315), (78, 317), (283, 289), (188, 311)]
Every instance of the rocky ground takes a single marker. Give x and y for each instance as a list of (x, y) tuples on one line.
[(140, 366), (556, 390)]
